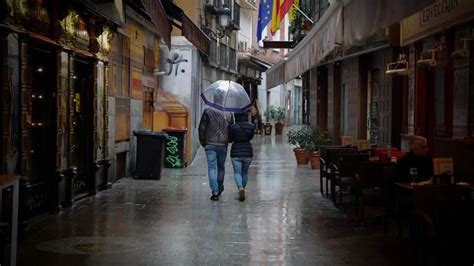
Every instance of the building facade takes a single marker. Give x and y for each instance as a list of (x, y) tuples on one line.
[(75, 82)]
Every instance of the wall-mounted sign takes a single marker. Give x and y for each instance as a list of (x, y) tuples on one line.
[(436, 17), (74, 29)]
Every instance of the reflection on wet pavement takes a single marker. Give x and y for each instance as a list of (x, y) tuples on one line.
[(172, 222)]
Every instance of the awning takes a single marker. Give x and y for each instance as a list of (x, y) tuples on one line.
[(189, 30), (317, 44), (346, 23), (113, 10), (363, 18), (160, 19)]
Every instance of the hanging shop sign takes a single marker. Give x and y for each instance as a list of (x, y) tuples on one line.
[(434, 18), (33, 15)]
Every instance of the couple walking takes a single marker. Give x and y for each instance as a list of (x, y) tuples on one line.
[(216, 130)]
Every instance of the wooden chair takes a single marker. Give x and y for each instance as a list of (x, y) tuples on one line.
[(373, 186), (331, 160), (325, 163), (345, 171)]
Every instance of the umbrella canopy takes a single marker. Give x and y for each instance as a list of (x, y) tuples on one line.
[(226, 96)]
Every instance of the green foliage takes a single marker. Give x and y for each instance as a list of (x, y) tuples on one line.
[(274, 113), (307, 138)]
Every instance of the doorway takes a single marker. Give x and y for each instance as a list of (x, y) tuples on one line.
[(40, 122), (81, 146)]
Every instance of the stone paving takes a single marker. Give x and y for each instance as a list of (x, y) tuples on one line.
[(284, 221)]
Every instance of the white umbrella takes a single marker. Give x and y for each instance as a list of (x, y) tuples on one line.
[(226, 96)]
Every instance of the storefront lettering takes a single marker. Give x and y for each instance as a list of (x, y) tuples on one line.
[(173, 62), (436, 10), (172, 147)]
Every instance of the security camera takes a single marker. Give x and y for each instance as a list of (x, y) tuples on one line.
[(460, 53), (427, 62)]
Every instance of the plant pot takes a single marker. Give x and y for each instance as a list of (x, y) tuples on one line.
[(314, 160), (268, 129), (301, 156), (279, 128)]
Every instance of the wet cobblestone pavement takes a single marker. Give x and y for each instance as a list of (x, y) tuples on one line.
[(284, 221)]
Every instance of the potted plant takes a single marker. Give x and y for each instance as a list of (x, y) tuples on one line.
[(300, 138), (313, 146), (268, 114), (278, 116)]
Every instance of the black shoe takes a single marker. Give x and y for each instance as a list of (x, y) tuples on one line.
[(220, 192), (215, 197), (241, 195)]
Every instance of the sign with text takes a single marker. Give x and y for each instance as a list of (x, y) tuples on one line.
[(435, 17)]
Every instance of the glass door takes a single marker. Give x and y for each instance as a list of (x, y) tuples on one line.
[(82, 128), (40, 118)]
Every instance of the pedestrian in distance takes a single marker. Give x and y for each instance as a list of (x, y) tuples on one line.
[(240, 135), (214, 137)]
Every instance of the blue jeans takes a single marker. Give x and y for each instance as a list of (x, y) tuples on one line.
[(241, 169), (216, 156)]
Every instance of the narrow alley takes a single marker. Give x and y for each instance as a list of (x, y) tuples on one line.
[(284, 220)]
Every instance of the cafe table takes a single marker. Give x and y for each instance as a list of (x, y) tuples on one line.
[(405, 189), (7, 181)]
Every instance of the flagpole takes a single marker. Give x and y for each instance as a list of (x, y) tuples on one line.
[(302, 13)]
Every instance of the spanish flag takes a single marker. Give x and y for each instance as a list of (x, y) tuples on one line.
[(280, 8), (293, 10)]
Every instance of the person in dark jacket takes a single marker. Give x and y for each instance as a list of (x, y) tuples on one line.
[(214, 137), (418, 158), (240, 134)]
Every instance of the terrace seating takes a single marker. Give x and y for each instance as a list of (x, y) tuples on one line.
[(374, 181), (325, 164), (331, 157), (345, 171)]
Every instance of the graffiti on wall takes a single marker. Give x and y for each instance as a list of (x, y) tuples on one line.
[(173, 62), (172, 155)]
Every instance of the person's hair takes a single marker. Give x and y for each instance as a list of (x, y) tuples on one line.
[(241, 117), (416, 140)]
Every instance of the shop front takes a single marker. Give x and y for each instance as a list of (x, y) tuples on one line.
[(50, 119)]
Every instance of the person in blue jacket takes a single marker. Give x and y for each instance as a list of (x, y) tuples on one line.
[(240, 135)]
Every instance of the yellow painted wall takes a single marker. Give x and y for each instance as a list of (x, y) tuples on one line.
[(192, 9), (161, 121)]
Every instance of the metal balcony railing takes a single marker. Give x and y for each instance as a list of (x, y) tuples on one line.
[(235, 18), (232, 59), (223, 56)]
